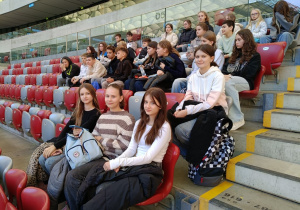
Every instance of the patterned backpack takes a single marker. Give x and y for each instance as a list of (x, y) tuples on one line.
[(213, 165)]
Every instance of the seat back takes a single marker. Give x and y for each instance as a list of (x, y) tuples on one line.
[(126, 94), (16, 181), (45, 79), (173, 98), (12, 89), (24, 93), (168, 166), (4, 203), (26, 126), (36, 123), (58, 129), (52, 80), (39, 93), (100, 93), (18, 92), (43, 69), (135, 106), (33, 79), (5, 164), (272, 55), (58, 96), (71, 97), (253, 93), (39, 79), (48, 96), (17, 116), (138, 50), (31, 94), (35, 199), (49, 125), (9, 114)]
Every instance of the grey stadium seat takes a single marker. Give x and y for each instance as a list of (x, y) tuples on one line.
[(24, 93), (6, 163), (140, 93), (39, 79), (43, 69), (49, 69), (26, 119), (9, 113), (134, 106), (48, 125), (59, 96)]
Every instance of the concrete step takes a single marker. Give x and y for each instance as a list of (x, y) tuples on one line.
[(282, 119), (281, 145), (288, 100), (253, 113), (233, 196), (285, 71), (293, 84), (269, 175)]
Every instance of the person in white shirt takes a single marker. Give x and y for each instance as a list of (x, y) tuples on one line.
[(130, 42), (169, 35), (83, 69), (257, 25)]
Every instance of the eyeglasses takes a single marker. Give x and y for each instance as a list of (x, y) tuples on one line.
[(254, 14)]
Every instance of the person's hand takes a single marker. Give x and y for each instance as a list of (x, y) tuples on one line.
[(48, 151), (76, 131), (62, 67), (227, 77), (162, 65), (82, 80), (98, 138), (117, 169), (109, 80), (226, 56), (180, 114), (134, 62), (106, 166), (160, 72), (179, 46)]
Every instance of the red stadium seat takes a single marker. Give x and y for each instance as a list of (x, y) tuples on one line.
[(35, 199), (45, 79), (59, 127), (33, 70), (28, 64), (27, 79), (2, 110), (16, 181), (75, 59), (14, 71), (48, 96), (39, 93), (20, 71), (12, 91), (37, 70), (173, 98), (7, 91), (272, 55), (52, 80), (78, 64), (138, 50), (17, 116), (33, 79), (9, 66), (168, 165), (56, 69), (13, 79), (4, 203), (253, 93), (57, 61), (31, 94), (38, 63), (2, 79), (52, 61), (36, 123), (30, 70), (71, 96), (18, 92), (127, 94), (100, 93), (2, 90)]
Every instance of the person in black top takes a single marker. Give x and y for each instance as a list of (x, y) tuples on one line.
[(240, 73), (118, 38), (69, 70), (85, 115), (188, 34), (203, 18)]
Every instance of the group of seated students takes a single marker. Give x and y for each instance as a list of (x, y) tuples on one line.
[(131, 170)]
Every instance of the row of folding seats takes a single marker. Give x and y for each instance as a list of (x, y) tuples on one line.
[(75, 59)]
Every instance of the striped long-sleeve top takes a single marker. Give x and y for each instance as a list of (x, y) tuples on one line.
[(115, 128)]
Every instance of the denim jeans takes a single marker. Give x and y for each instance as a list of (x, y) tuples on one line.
[(282, 37), (232, 88), (48, 163), (179, 84)]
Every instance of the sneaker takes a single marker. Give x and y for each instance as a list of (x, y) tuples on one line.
[(237, 125)]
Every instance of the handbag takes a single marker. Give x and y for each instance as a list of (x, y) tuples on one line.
[(83, 149)]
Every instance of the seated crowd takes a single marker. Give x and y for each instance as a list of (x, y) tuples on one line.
[(221, 65)]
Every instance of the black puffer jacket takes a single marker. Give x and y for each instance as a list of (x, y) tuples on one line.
[(187, 36)]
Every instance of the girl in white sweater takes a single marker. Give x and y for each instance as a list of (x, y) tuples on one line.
[(170, 35)]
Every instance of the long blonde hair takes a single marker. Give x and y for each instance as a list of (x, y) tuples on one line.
[(259, 19)]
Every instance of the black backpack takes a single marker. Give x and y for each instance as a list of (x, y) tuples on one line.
[(213, 165)]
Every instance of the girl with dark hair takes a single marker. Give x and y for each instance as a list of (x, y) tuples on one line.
[(113, 131), (102, 54), (170, 67), (91, 50), (137, 80), (169, 35), (241, 71), (69, 70), (138, 171), (282, 25), (205, 91)]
